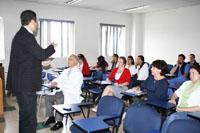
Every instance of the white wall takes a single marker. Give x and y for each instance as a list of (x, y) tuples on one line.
[(169, 33), (87, 30), (137, 35)]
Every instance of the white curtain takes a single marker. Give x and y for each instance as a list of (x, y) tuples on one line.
[(2, 46), (60, 32), (112, 40)]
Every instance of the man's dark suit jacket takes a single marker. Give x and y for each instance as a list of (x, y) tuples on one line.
[(24, 72)]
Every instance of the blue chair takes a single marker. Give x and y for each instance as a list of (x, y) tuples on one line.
[(111, 106), (97, 75), (141, 118), (43, 75), (169, 67), (105, 76), (110, 109), (95, 90), (50, 77), (184, 126)]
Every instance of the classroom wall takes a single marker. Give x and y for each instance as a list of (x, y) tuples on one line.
[(87, 29), (169, 33)]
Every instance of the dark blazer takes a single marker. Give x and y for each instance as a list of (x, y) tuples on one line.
[(24, 72)]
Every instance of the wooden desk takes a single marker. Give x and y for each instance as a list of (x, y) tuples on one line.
[(1, 98), (3, 82)]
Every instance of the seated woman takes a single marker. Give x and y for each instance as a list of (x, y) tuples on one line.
[(121, 77), (189, 97), (101, 65), (142, 71), (114, 61), (84, 67), (156, 85), (131, 65)]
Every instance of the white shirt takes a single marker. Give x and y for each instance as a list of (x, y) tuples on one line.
[(143, 73), (70, 81), (194, 99), (26, 27), (132, 69), (118, 75)]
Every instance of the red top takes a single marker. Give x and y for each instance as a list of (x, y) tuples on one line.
[(85, 69), (125, 76)]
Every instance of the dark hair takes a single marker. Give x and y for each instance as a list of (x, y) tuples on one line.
[(192, 55), (161, 65), (81, 57), (101, 58), (102, 63), (196, 67), (141, 57), (132, 60), (26, 17), (116, 55), (182, 55), (124, 59)]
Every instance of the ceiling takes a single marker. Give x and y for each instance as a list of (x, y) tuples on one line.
[(120, 5)]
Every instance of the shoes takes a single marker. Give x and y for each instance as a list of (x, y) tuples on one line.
[(49, 121), (57, 126)]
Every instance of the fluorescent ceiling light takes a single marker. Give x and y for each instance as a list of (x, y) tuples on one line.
[(137, 8), (70, 2)]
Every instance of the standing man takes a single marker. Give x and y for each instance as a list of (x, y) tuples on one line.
[(24, 73)]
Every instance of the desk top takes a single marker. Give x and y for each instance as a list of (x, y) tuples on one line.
[(88, 78), (195, 115), (133, 94), (91, 124), (161, 104), (48, 85), (61, 108), (84, 104), (169, 75), (98, 82)]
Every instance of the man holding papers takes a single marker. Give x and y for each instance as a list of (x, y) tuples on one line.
[(70, 82)]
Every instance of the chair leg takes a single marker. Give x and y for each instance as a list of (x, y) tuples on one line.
[(39, 104), (113, 130), (117, 130)]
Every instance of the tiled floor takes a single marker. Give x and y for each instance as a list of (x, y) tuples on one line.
[(11, 118)]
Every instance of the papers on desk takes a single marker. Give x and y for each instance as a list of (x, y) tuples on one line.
[(47, 85), (103, 82), (170, 75), (57, 70), (135, 93), (106, 82)]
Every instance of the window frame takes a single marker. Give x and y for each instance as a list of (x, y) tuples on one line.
[(113, 25), (61, 21)]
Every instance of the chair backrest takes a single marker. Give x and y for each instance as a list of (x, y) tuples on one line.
[(105, 76), (50, 77), (97, 75), (184, 126), (141, 118), (111, 106), (169, 67), (43, 75)]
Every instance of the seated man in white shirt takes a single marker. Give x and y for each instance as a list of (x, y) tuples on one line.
[(70, 82)]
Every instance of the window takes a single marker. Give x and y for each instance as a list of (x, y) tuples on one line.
[(2, 47), (112, 39), (61, 32)]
